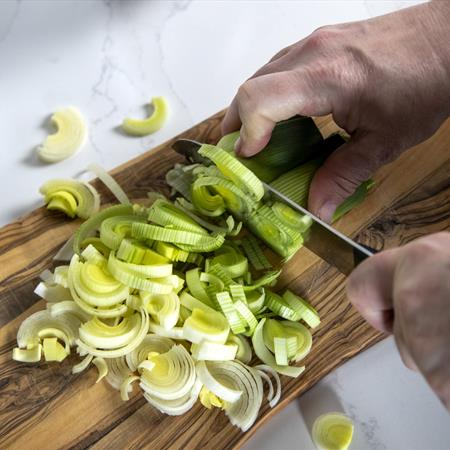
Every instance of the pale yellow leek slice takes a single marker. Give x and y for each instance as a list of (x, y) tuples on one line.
[(82, 365), (332, 431), (102, 368), (155, 122), (208, 399), (53, 350), (125, 387), (70, 136), (72, 197), (28, 355)]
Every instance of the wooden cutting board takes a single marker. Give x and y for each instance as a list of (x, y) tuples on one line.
[(45, 406)]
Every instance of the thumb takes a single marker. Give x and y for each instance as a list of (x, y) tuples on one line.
[(343, 171)]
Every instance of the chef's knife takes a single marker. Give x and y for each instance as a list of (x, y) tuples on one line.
[(322, 239)]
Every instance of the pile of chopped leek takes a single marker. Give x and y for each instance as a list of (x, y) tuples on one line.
[(178, 296)]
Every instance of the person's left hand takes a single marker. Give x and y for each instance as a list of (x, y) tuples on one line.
[(406, 291)]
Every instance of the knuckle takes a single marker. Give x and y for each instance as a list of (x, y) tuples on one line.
[(245, 93), (321, 37), (248, 101)]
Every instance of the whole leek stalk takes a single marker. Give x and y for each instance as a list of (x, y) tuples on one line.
[(293, 142)]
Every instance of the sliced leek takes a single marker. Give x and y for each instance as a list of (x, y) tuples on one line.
[(70, 136), (212, 351), (100, 339), (150, 125), (72, 197), (264, 354), (110, 183), (208, 399), (94, 222), (332, 431), (172, 375), (206, 325), (102, 368), (162, 294), (53, 350), (354, 200), (28, 355), (234, 170)]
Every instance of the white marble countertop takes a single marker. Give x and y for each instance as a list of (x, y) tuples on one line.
[(109, 58)]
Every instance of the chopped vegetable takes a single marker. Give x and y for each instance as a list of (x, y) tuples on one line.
[(293, 142), (70, 136), (150, 125), (177, 295), (109, 182), (332, 431), (354, 200), (72, 197)]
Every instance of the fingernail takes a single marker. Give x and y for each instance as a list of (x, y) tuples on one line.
[(326, 211), (238, 146)]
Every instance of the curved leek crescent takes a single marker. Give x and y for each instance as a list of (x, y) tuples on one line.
[(150, 125), (70, 136), (332, 431), (72, 197)]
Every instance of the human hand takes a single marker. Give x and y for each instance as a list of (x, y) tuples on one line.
[(385, 81), (406, 291)]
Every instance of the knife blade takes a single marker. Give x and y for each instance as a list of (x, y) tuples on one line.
[(322, 239)]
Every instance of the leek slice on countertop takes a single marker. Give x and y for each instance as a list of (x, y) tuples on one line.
[(70, 135), (153, 123), (332, 431)]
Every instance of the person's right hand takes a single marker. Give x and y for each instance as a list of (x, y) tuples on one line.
[(406, 291), (386, 81)]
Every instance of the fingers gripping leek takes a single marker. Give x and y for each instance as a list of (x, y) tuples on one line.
[(70, 136)]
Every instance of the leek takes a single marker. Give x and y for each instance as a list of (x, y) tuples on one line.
[(73, 198), (206, 325), (293, 142), (70, 136), (332, 431), (354, 200), (150, 125), (234, 170)]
